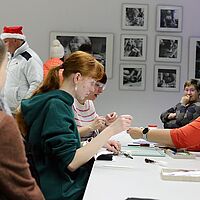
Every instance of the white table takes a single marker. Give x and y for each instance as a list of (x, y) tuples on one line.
[(140, 179)]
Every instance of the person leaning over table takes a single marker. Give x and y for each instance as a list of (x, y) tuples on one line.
[(16, 181), (187, 137), (88, 122), (186, 110), (62, 164)]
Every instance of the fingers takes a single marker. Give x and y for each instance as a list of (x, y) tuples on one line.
[(135, 132), (129, 130), (122, 123), (133, 129), (111, 117), (185, 99), (128, 117), (113, 146), (99, 122)]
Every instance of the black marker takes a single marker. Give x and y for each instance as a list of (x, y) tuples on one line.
[(161, 163)]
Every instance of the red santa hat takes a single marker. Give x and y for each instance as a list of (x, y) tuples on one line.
[(13, 32)]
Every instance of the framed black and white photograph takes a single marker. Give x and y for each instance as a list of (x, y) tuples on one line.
[(133, 47), (168, 49), (134, 16), (169, 18), (132, 76), (166, 78), (194, 58), (101, 45)]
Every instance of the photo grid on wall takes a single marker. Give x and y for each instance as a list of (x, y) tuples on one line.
[(168, 47)]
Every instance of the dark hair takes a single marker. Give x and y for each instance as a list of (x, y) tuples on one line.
[(193, 82), (2, 51), (104, 79), (86, 48)]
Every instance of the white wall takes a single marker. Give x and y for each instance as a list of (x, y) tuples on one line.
[(39, 18)]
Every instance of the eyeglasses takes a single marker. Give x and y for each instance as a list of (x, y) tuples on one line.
[(190, 90), (100, 85)]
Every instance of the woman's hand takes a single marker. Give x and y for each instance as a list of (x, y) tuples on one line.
[(122, 123), (135, 132), (98, 123), (111, 117), (185, 99), (172, 116), (113, 146)]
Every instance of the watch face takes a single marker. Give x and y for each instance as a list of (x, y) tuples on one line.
[(145, 131)]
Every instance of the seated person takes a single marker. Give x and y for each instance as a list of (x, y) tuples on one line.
[(63, 165), (88, 122), (186, 110), (186, 137)]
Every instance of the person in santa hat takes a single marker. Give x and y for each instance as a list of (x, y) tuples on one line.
[(24, 69)]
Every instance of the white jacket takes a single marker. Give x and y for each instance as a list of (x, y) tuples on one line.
[(24, 74)]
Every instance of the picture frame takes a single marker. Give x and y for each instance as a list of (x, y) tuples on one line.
[(102, 45), (168, 48), (194, 58), (134, 16), (167, 78), (169, 18), (132, 76), (133, 47)]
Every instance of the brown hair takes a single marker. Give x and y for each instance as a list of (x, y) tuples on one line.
[(2, 51), (193, 82), (78, 61)]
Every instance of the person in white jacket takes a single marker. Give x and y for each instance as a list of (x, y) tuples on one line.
[(24, 69)]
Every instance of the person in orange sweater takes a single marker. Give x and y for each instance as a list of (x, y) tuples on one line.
[(55, 60), (186, 137), (16, 181)]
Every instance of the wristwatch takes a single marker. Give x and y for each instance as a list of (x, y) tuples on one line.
[(144, 133)]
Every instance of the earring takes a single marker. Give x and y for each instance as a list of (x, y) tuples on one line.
[(75, 88)]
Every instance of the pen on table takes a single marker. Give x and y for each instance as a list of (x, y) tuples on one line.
[(123, 153), (161, 163), (126, 154), (141, 145)]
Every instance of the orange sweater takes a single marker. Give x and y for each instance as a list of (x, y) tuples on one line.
[(51, 63), (187, 136)]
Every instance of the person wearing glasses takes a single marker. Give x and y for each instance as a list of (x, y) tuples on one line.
[(88, 122), (186, 110), (47, 121)]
